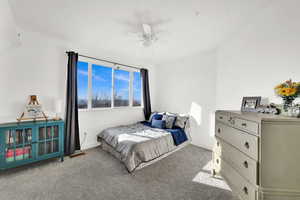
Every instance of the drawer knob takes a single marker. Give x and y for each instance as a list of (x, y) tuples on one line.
[(246, 164), (219, 130), (220, 117), (244, 124), (217, 161), (245, 189), (247, 145), (218, 144)]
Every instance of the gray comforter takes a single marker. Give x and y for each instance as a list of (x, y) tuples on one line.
[(138, 143)]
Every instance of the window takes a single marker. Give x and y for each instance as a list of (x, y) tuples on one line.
[(82, 82), (102, 86), (121, 88)]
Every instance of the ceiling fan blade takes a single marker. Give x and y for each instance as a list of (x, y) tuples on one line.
[(147, 29)]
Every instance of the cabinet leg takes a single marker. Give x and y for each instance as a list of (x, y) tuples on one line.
[(62, 159)]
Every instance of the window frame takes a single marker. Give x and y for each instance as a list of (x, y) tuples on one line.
[(131, 71)]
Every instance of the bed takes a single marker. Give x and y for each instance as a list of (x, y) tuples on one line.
[(139, 145)]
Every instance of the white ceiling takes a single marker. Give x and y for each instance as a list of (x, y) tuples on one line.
[(186, 26)]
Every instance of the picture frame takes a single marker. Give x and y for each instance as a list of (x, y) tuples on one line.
[(250, 104), (33, 110)]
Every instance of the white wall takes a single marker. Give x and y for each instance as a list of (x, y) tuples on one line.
[(38, 66), (8, 33), (260, 56), (189, 86)]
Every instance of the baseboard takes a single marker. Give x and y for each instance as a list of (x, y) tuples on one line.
[(90, 146), (203, 146)]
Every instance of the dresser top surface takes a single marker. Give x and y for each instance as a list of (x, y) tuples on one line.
[(259, 116)]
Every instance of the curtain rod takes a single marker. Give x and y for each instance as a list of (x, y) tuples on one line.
[(108, 61)]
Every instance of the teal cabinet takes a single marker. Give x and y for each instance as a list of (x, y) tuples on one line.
[(27, 142)]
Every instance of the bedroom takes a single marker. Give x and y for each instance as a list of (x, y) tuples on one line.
[(201, 56)]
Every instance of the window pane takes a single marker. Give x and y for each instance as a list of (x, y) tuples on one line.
[(102, 86), (121, 88), (82, 84), (137, 92)]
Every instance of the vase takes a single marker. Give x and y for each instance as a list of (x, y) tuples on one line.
[(287, 102)]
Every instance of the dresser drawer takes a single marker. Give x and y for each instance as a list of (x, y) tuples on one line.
[(224, 118), (246, 125), (240, 186), (246, 166), (243, 141)]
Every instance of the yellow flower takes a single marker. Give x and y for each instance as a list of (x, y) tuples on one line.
[(279, 86), (282, 92), (291, 91), (288, 88), (286, 91), (279, 91)]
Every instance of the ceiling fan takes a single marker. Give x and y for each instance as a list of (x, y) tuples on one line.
[(145, 28), (148, 35)]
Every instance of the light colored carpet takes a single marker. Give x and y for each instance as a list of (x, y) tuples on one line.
[(183, 175)]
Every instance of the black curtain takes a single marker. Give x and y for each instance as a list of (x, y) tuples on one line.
[(146, 93), (72, 142)]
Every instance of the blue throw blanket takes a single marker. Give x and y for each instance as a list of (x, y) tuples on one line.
[(179, 136)]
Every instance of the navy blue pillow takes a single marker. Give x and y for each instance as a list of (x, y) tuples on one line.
[(157, 117), (158, 123)]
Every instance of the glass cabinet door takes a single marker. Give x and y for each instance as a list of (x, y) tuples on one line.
[(18, 145), (48, 140)]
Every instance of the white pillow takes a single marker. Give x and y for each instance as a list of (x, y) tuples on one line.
[(170, 120), (181, 120)]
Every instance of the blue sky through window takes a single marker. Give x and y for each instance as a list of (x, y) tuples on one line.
[(82, 84), (102, 86), (121, 90)]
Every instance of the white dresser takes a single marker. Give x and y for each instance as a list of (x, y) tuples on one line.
[(258, 155)]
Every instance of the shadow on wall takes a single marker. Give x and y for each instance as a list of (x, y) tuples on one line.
[(202, 125), (212, 125), (196, 124), (196, 113)]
